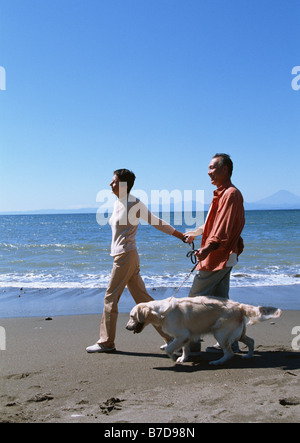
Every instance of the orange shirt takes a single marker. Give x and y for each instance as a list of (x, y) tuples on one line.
[(224, 224)]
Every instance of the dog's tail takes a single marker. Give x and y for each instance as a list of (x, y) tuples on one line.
[(257, 314)]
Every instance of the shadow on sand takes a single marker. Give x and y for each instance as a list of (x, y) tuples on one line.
[(282, 359)]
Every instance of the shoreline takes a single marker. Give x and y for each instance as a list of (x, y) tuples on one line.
[(39, 302), (47, 376)]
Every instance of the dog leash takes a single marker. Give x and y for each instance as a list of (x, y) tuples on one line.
[(195, 263), (186, 278), (191, 255)]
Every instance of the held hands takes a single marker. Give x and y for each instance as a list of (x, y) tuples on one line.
[(188, 238), (191, 235)]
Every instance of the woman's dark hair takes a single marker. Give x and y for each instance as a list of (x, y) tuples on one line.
[(225, 160), (124, 175)]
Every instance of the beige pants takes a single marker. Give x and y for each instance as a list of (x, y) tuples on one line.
[(125, 272)]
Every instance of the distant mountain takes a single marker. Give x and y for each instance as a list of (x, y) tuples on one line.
[(280, 200)]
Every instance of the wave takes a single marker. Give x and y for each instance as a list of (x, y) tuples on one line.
[(166, 280)]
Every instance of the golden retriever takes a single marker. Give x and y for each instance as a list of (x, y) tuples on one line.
[(187, 319)]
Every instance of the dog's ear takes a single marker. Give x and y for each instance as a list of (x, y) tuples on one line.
[(142, 313), (155, 317), (146, 314)]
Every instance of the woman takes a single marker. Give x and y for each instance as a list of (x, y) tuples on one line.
[(126, 272)]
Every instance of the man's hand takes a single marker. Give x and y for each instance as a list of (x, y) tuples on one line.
[(202, 253)]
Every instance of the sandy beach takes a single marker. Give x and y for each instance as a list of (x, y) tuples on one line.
[(47, 376)]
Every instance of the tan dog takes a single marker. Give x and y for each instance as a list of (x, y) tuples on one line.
[(187, 319)]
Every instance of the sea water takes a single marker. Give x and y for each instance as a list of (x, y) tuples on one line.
[(72, 251)]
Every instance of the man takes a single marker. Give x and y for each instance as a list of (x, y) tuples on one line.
[(221, 234), (126, 268)]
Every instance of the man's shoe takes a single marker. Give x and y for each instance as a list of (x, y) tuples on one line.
[(195, 347), (235, 347), (97, 347)]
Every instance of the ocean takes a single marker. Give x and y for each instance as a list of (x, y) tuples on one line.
[(41, 254)]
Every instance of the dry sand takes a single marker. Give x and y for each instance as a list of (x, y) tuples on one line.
[(47, 376)]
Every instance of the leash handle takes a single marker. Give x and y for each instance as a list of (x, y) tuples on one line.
[(195, 262), (191, 254)]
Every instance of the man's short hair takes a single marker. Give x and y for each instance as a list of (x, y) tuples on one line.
[(126, 176), (225, 160)]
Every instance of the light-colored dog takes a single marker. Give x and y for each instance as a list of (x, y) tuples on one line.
[(187, 319)]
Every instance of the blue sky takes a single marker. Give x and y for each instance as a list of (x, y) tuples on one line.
[(157, 86)]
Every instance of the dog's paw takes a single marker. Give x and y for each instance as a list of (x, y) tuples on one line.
[(181, 359)]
